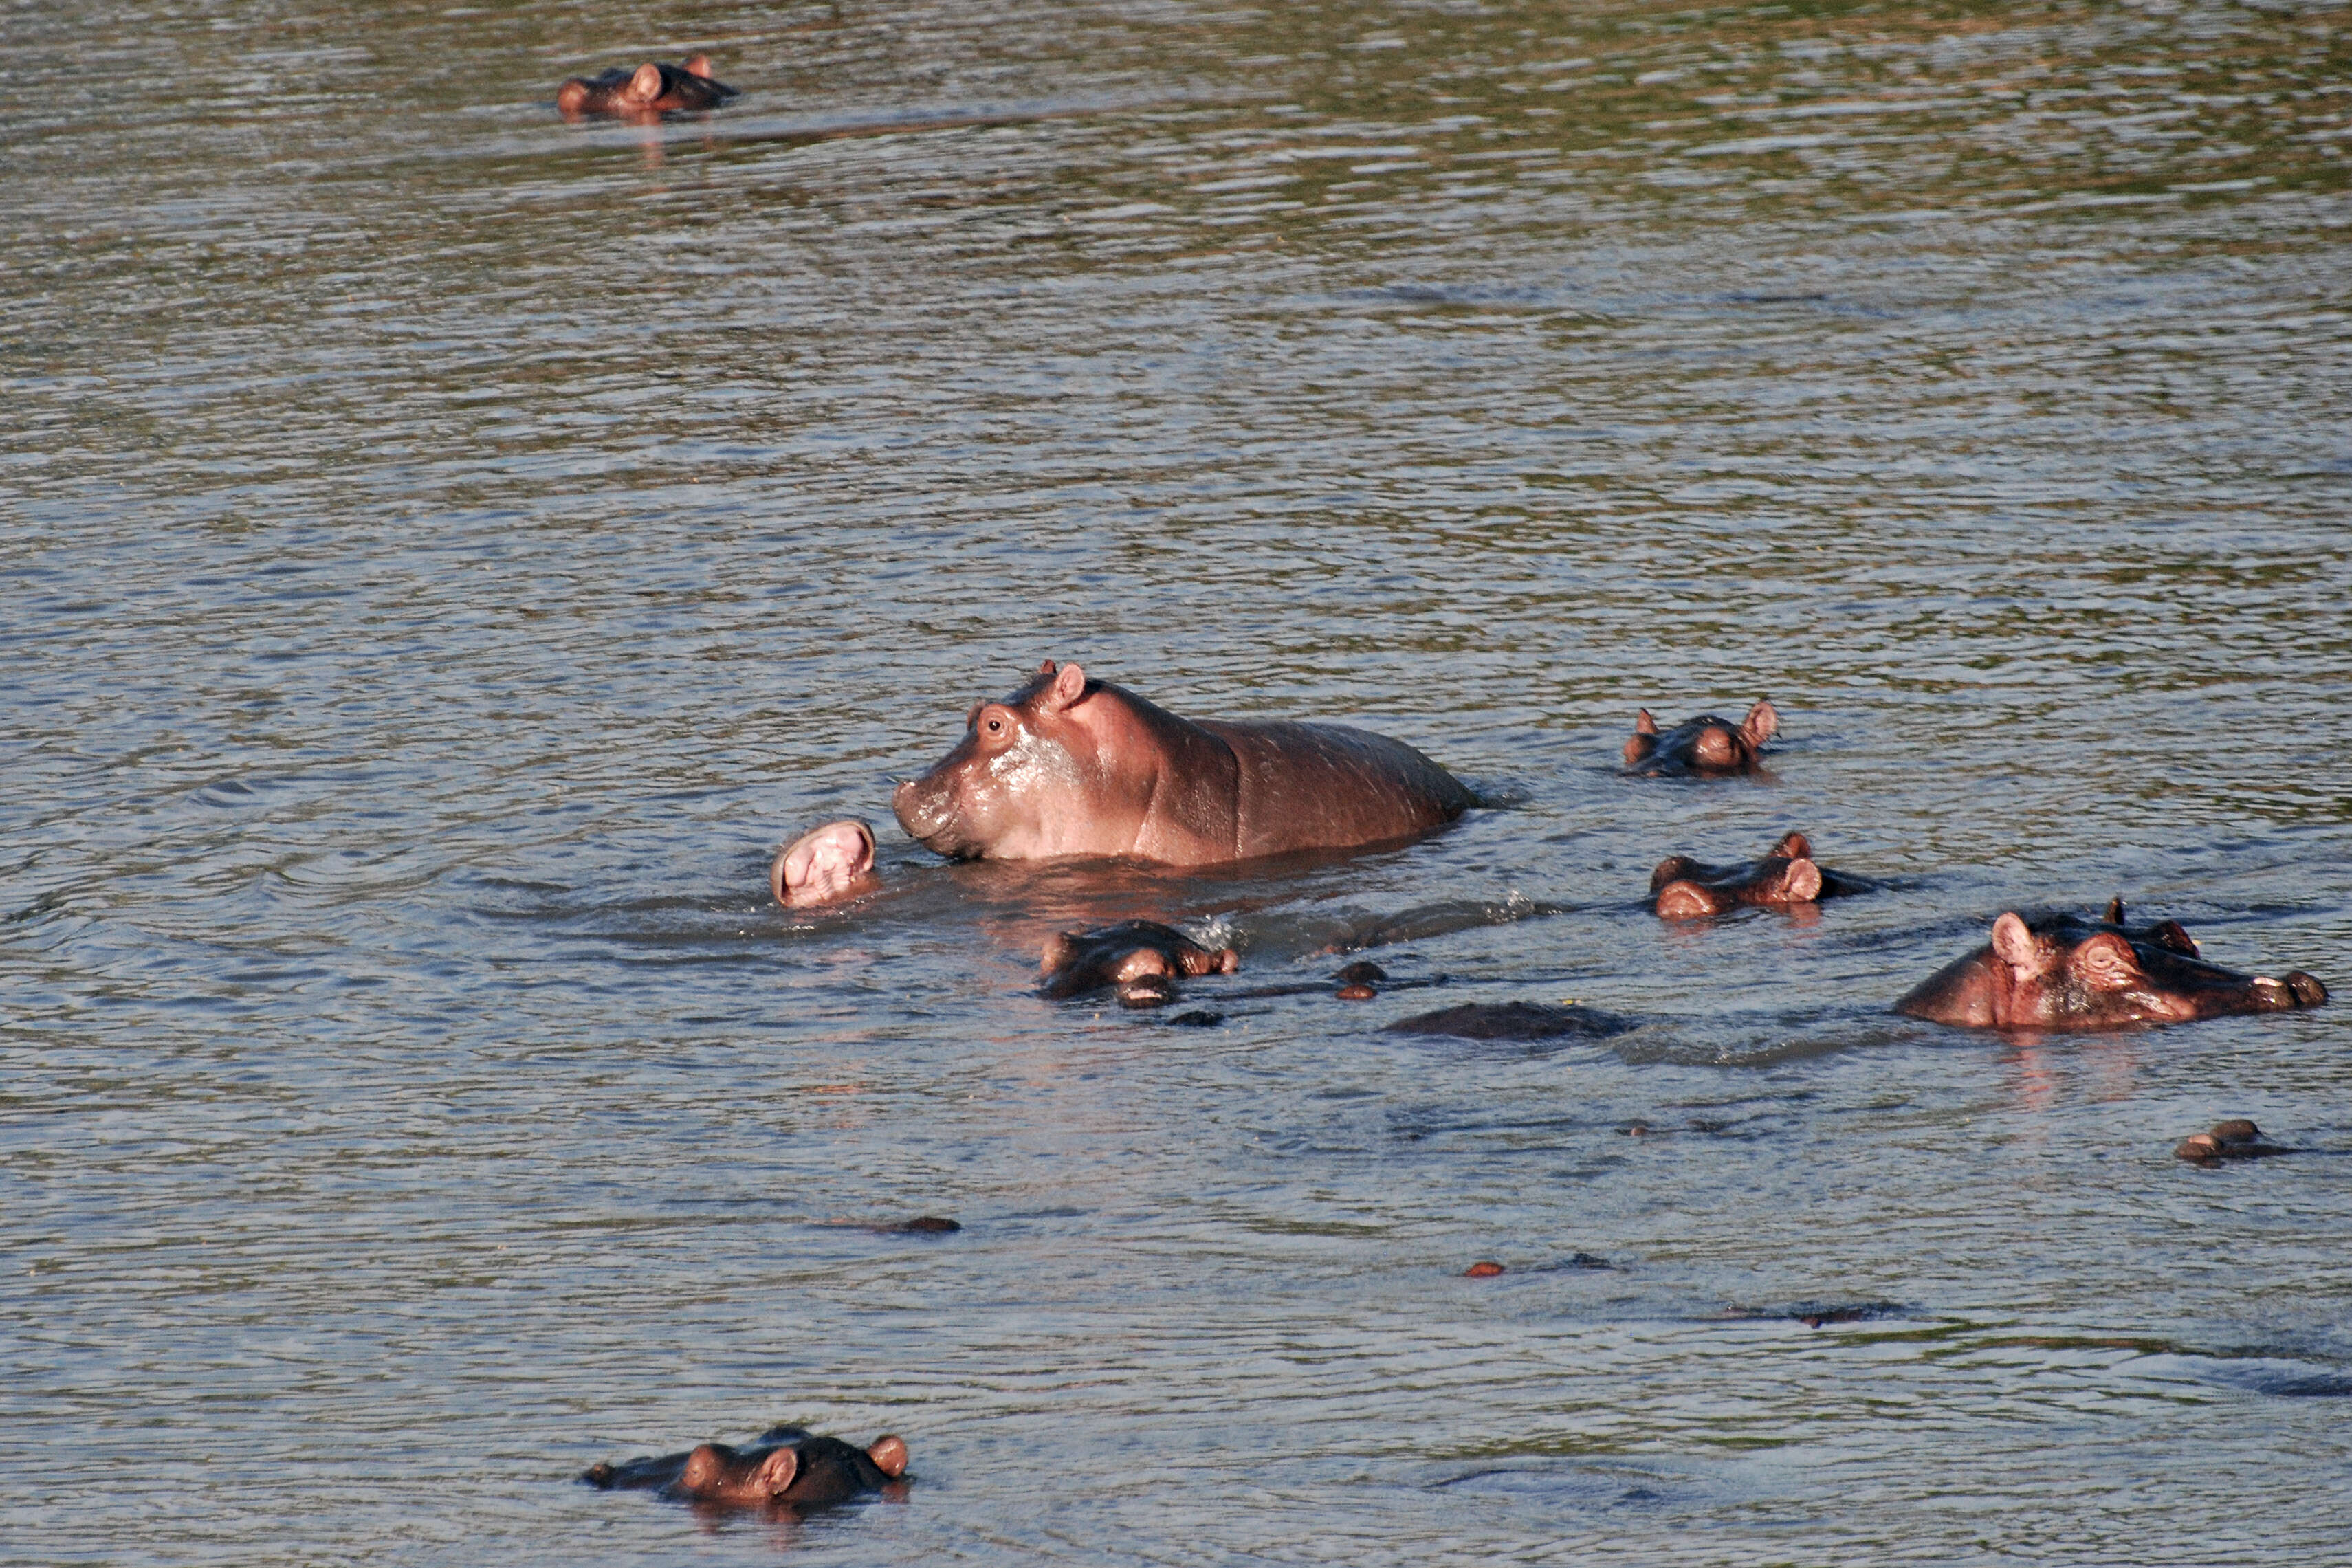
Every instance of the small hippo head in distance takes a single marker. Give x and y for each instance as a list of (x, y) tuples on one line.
[(1707, 747)]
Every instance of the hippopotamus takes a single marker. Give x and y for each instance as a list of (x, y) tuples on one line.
[(1142, 958), (1514, 1020), (653, 88), (2062, 972), (1684, 889), (2236, 1139), (1069, 766), (783, 1467), (1707, 746), (834, 862)]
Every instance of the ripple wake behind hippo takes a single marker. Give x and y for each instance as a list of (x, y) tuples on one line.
[(1069, 766), (2062, 972)]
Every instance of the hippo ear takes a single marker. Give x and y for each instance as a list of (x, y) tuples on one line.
[(776, 1472), (889, 1456), (1069, 685), (698, 66), (1795, 847), (1046, 668), (2115, 915), (1803, 881), (1762, 723), (1643, 723), (2106, 963), (647, 85), (1060, 952), (2015, 945)]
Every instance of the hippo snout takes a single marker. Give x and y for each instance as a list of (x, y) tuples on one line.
[(2297, 991), (925, 812)]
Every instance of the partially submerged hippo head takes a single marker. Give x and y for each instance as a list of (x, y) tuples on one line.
[(2064, 972), (1704, 745), (786, 1468), (2235, 1139), (1684, 889), (834, 862), (1142, 959), (651, 89)]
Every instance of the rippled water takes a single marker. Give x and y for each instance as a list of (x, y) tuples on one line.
[(445, 551)]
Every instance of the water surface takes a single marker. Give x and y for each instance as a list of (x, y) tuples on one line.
[(447, 551)]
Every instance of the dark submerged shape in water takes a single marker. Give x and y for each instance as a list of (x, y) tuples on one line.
[(1142, 959), (1514, 1020), (1708, 747), (2236, 1139), (784, 1467), (2062, 972), (1684, 889), (653, 90)]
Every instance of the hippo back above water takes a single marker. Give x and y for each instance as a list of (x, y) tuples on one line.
[(1069, 766)]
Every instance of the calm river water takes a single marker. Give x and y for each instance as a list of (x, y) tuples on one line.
[(447, 551)]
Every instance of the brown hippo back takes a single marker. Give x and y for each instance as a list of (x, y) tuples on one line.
[(1327, 786)]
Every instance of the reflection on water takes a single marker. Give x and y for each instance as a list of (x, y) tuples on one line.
[(448, 550)]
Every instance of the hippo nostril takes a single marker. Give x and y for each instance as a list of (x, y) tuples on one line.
[(2308, 991)]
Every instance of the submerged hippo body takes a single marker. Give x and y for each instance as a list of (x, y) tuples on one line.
[(653, 88), (1684, 889), (2064, 972), (1142, 958), (1708, 747), (1069, 766), (785, 1467)]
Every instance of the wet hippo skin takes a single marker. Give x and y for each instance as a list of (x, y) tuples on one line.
[(651, 89), (1069, 766), (1684, 889), (785, 1467), (2064, 972), (1705, 746), (1514, 1020), (823, 865), (1142, 959), (2236, 1139)]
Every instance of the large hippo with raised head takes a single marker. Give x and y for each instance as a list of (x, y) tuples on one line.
[(2064, 972), (1069, 766)]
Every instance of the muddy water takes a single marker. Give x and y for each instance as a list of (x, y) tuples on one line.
[(445, 550)]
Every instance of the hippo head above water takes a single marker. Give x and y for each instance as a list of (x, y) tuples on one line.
[(1706, 745), (1684, 889), (1069, 766), (787, 1468), (1142, 958), (2062, 972), (651, 91)]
